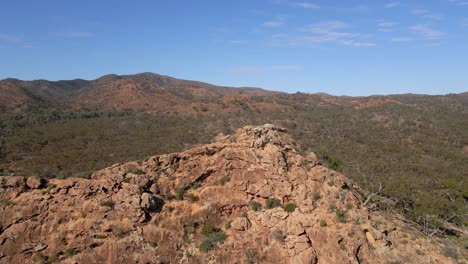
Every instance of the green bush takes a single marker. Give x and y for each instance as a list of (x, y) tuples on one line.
[(206, 245), (192, 197), (213, 239), (272, 203), (323, 223), (153, 244), (289, 207), (278, 235), (333, 161), (316, 196), (217, 237), (223, 180), (342, 246), (256, 206), (227, 225), (70, 252), (340, 215), (108, 203), (207, 229), (179, 195), (135, 171), (44, 259)]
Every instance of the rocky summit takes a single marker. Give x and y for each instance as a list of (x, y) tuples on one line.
[(250, 197)]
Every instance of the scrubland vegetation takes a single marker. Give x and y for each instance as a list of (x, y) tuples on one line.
[(411, 150)]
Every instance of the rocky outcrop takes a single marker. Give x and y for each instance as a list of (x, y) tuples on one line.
[(249, 197)]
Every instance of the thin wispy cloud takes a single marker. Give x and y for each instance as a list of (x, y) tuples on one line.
[(424, 13), (75, 34), (273, 23), (278, 22), (246, 70), (358, 43), (10, 38), (221, 30), (400, 39), (305, 5), (334, 31), (392, 4), (427, 32), (286, 67), (459, 2), (464, 22), (262, 69), (239, 41), (386, 26), (354, 9)]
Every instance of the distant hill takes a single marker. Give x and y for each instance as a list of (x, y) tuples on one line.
[(145, 91)]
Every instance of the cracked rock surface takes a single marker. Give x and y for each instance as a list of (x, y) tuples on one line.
[(274, 205)]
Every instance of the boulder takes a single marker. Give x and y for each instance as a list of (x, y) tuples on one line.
[(34, 182)]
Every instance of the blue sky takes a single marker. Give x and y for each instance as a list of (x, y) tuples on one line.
[(342, 47)]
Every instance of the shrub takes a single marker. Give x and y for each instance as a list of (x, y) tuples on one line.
[(289, 207), (153, 244), (332, 160), (7, 202), (349, 206), (250, 256), (192, 197), (41, 258), (340, 215), (342, 246), (195, 186), (135, 171), (316, 196), (70, 252), (44, 259), (206, 245), (256, 206), (228, 224), (179, 193), (223, 180), (323, 223), (120, 232), (272, 203), (108, 203), (420, 252), (217, 237), (213, 239), (207, 229), (278, 235), (450, 252)]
